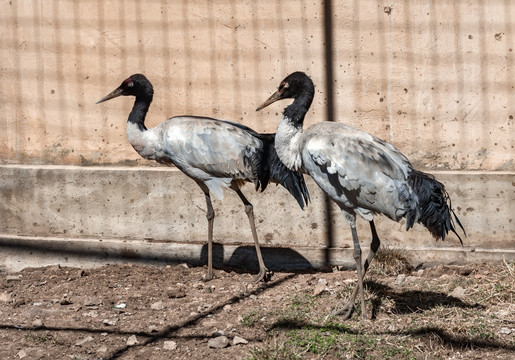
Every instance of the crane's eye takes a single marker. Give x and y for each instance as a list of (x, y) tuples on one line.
[(128, 82), (284, 85)]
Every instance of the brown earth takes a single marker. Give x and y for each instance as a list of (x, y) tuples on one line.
[(148, 312)]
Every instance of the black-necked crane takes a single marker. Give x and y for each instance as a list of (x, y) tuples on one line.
[(363, 174), (214, 153)]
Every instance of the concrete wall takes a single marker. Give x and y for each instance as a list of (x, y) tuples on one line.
[(433, 78)]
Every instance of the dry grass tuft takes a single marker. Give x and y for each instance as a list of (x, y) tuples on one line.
[(391, 261)]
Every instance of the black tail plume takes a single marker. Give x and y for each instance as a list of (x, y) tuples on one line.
[(435, 208), (293, 181)]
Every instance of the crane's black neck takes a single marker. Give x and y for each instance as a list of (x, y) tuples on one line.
[(139, 111), (297, 110)]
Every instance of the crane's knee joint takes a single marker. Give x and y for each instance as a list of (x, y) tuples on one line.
[(210, 215), (249, 209), (357, 253)]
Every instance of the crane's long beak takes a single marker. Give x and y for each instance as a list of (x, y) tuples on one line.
[(115, 93), (273, 98)]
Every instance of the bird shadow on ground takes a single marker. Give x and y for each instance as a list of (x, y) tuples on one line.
[(411, 301), (426, 333), (405, 302)]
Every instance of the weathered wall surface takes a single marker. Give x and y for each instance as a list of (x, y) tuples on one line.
[(433, 78)]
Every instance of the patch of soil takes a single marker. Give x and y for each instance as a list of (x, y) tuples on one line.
[(147, 312)]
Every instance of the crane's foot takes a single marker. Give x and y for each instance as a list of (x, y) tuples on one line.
[(263, 275), (208, 276), (347, 311)]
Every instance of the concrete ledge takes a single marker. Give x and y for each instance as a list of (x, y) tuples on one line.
[(93, 215), (19, 252)]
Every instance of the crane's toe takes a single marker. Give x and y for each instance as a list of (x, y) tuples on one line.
[(263, 275), (208, 276), (346, 310)]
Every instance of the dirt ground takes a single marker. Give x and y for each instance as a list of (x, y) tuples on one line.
[(148, 312)]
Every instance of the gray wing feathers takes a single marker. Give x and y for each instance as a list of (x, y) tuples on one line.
[(213, 151), (366, 173), (213, 146)]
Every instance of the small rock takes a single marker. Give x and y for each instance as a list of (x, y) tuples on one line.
[(92, 313), (400, 278), (420, 272), (478, 276), (239, 340), (458, 293), (464, 271), (170, 345), (21, 354), (227, 307), (319, 289), (65, 301), (10, 278), (153, 328), (176, 292), (5, 297), (102, 350), (218, 342), (132, 340), (92, 301), (218, 333), (19, 302), (505, 331), (56, 267), (83, 341), (37, 323), (159, 305), (411, 278), (120, 306), (110, 322), (202, 308)]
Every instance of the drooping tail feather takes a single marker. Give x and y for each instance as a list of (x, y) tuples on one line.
[(293, 181), (435, 208)]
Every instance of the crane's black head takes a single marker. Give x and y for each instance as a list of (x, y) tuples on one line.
[(135, 85), (295, 86)]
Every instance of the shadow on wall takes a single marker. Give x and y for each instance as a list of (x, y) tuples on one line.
[(71, 252), (245, 258)]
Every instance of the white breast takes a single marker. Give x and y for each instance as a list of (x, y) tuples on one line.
[(287, 144), (146, 143)]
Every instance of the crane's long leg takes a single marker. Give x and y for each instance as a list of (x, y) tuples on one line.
[(374, 246), (210, 215), (357, 259), (263, 271)]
